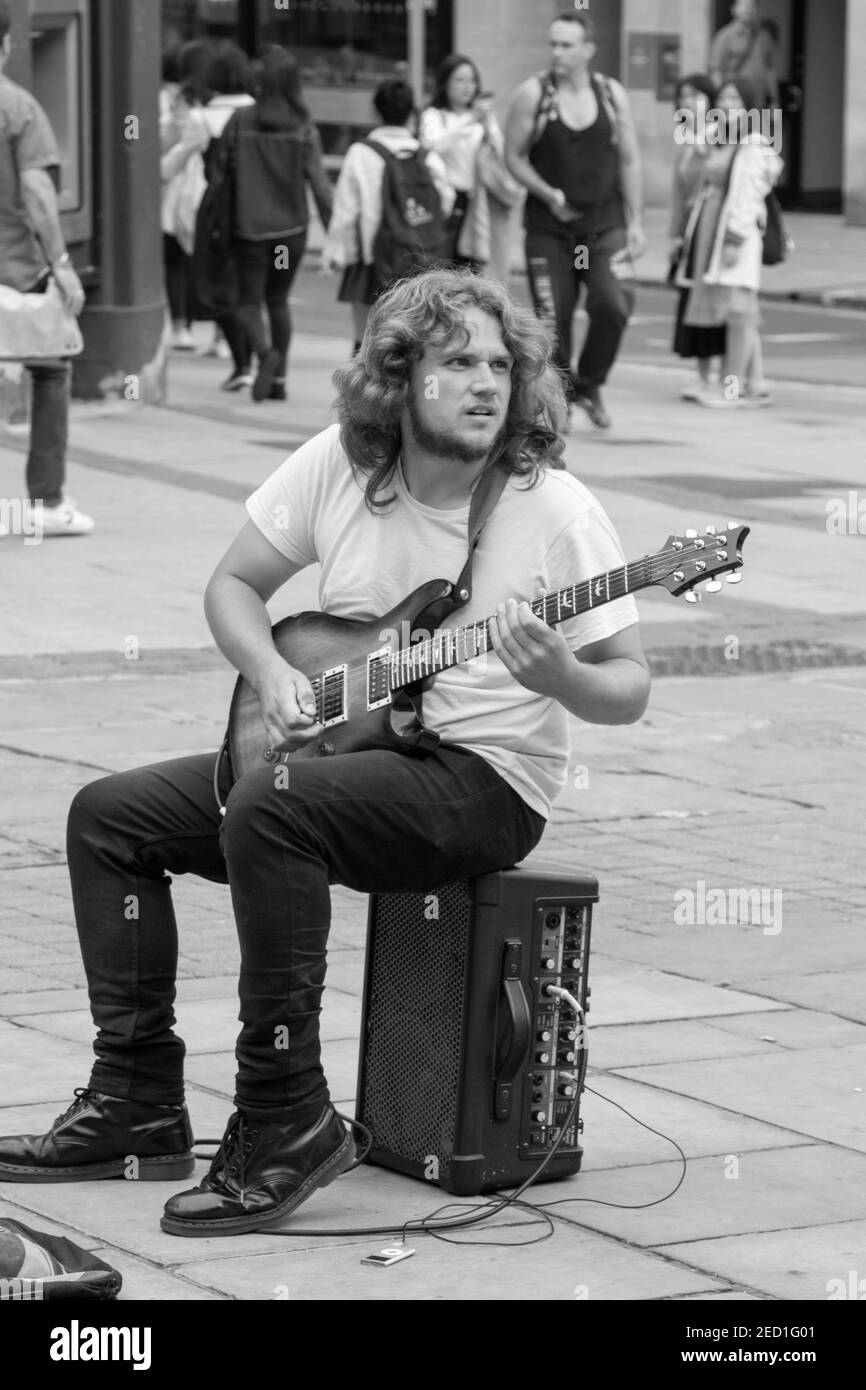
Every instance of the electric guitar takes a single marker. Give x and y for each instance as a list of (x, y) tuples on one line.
[(363, 689)]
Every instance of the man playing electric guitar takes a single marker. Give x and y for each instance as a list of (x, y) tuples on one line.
[(452, 378)]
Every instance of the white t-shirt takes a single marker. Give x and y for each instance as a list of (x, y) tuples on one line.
[(537, 540)]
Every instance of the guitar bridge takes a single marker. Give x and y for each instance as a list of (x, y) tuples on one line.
[(332, 708), (379, 678)]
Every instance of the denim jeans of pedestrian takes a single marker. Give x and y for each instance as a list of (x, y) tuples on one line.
[(266, 271), (376, 821), (556, 271), (49, 428)]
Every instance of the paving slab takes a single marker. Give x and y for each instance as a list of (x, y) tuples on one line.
[(576, 1265), (840, 992), (779, 1189), (802, 1029), (642, 1044), (819, 1092), (807, 1263), (623, 993), (614, 1139)]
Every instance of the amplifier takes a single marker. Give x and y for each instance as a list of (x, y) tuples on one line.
[(467, 1067)]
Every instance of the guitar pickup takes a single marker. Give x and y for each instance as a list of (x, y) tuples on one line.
[(333, 701), (379, 678)]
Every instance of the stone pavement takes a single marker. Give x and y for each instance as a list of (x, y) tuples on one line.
[(738, 1031)]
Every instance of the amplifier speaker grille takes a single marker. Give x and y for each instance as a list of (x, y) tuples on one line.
[(414, 1022)]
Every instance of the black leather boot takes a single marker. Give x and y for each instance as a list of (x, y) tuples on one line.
[(261, 1172), (103, 1137)]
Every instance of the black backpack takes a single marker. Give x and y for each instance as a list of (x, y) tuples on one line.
[(775, 242), (411, 235)]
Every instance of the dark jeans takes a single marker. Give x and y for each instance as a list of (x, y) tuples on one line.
[(375, 821), (265, 272), (236, 337), (178, 280), (49, 427), (555, 282)]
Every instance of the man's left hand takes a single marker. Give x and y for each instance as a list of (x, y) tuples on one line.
[(636, 240), (537, 656)]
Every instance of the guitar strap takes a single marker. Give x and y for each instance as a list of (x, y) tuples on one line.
[(406, 709)]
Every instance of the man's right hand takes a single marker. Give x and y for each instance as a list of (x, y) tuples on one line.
[(561, 209), (288, 708), (70, 287)]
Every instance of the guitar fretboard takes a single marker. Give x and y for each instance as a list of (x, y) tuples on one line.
[(451, 647)]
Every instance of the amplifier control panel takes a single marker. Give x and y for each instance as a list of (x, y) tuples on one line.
[(560, 956)]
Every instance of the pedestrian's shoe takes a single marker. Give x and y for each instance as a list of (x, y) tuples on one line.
[(262, 1171), (104, 1137), (269, 367), (37, 1267), (715, 399), (182, 340), (63, 519), (278, 391), (589, 399), (237, 381)]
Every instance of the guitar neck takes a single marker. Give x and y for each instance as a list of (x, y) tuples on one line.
[(452, 647)]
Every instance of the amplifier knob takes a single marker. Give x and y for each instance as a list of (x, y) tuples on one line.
[(542, 1057), (569, 1035), (566, 1090), (548, 963), (539, 1116), (544, 1035), (566, 1056)]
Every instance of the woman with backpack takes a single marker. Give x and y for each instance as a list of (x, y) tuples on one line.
[(723, 248), (272, 151), (358, 241)]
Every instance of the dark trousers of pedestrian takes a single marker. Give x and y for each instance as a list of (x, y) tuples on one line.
[(375, 821), (266, 271), (235, 334), (178, 280), (49, 427), (558, 266)]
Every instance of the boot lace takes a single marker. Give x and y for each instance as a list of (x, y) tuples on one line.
[(82, 1098), (235, 1148)]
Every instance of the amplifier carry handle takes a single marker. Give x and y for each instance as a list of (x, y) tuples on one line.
[(521, 1028)]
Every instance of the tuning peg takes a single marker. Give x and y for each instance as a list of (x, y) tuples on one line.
[(711, 530), (691, 535), (735, 578), (713, 586), (692, 597)]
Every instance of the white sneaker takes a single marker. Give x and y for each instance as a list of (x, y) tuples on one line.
[(63, 520), (715, 398), (182, 340)]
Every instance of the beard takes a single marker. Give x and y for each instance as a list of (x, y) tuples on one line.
[(447, 443)]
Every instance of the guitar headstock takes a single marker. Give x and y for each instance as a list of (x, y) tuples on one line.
[(688, 560)]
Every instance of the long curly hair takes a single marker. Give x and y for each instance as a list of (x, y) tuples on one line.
[(428, 311)]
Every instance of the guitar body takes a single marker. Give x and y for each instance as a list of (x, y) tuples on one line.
[(339, 650)]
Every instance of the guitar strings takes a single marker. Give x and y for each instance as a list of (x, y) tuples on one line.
[(424, 653)]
